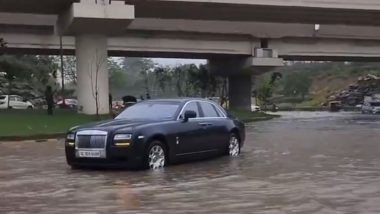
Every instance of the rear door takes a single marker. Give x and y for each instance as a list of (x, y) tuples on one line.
[(216, 132)]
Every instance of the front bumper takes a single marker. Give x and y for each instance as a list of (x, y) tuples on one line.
[(116, 157)]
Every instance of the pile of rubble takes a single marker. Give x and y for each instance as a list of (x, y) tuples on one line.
[(368, 85)]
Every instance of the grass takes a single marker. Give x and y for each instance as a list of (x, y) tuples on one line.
[(36, 124), (247, 116), (29, 123)]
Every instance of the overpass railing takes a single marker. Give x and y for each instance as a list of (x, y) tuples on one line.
[(265, 53)]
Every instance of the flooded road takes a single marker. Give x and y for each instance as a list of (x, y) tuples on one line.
[(300, 163)]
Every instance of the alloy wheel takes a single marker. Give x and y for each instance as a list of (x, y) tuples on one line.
[(156, 157), (234, 146)]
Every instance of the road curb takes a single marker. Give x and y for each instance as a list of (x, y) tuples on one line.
[(34, 138), (35, 141)]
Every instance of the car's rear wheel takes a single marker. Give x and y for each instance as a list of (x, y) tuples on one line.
[(30, 107), (156, 156), (234, 145)]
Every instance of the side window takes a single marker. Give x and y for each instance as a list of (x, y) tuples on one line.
[(19, 99), (192, 106), (209, 110), (12, 98)]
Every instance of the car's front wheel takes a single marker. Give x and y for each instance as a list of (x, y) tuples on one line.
[(156, 155), (234, 145)]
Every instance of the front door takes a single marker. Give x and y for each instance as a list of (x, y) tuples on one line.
[(19, 103), (12, 102), (190, 137)]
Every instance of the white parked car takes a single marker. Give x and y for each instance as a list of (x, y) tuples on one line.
[(255, 108), (372, 107), (15, 102)]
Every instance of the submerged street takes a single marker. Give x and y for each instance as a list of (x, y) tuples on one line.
[(303, 162)]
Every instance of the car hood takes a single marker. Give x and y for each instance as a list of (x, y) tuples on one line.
[(112, 125)]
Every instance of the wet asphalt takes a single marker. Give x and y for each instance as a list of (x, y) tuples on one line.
[(303, 162)]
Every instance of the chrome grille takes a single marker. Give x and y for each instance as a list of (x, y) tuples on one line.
[(91, 139), (91, 142)]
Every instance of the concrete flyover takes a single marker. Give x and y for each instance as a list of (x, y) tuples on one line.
[(240, 37), (353, 12), (204, 46)]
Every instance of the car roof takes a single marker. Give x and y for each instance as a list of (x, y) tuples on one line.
[(181, 100)]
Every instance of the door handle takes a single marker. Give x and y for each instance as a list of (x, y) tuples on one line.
[(205, 124)]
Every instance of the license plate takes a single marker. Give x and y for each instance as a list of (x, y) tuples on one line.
[(89, 154)]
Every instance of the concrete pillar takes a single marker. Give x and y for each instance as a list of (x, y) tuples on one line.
[(239, 72), (92, 88), (240, 91)]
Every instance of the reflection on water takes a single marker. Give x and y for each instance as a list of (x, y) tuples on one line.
[(300, 163)]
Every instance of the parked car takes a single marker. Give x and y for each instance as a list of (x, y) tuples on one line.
[(15, 102), (255, 108), (117, 105), (69, 104), (372, 107), (155, 133)]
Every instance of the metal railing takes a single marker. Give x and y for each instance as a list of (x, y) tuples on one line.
[(265, 53)]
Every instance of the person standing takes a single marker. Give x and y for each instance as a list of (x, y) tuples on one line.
[(110, 101), (49, 99)]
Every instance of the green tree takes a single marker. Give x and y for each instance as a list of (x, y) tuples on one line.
[(140, 74), (163, 77), (118, 78), (297, 84), (265, 87), (203, 81), (28, 75), (69, 68), (13, 69), (182, 78), (264, 91)]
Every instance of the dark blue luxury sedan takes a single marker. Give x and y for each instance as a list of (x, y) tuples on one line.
[(155, 133)]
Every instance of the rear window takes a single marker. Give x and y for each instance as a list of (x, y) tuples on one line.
[(209, 110), (2, 97)]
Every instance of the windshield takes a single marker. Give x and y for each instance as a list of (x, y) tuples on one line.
[(375, 104), (150, 111)]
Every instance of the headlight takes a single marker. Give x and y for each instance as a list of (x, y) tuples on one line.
[(70, 136), (118, 137)]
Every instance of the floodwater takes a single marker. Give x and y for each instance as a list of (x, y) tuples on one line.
[(300, 163)]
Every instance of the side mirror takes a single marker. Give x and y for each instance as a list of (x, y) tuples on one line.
[(188, 115)]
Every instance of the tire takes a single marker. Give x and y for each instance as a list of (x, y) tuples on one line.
[(233, 149), (155, 156), (30, 107)]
